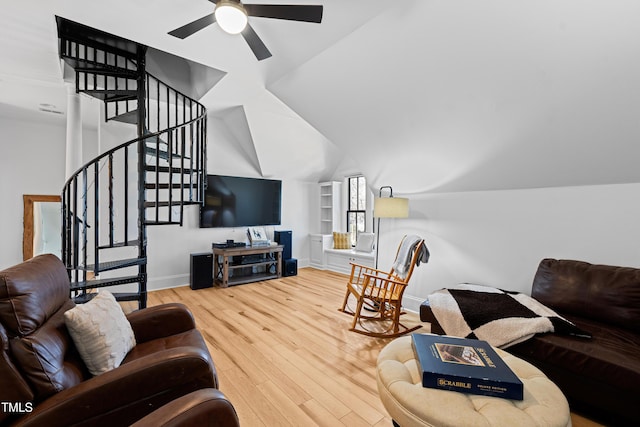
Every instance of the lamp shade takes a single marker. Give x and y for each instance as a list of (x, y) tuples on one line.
[(231, 16), (390, 207)]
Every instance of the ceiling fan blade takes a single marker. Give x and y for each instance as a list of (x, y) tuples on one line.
[(255, 43), (193, 27), (291, 12)]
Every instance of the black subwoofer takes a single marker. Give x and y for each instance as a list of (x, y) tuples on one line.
[(201, 270), (290, 267)]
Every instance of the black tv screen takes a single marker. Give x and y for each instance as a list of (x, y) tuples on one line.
[(232, 201)]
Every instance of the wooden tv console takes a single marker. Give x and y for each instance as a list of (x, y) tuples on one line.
[(234, 266)]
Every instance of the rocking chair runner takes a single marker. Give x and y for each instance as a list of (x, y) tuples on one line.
[(380, 292)]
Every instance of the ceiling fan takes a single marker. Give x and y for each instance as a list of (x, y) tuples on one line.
[(232, 16)]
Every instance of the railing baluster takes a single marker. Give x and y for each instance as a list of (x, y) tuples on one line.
[(182, 142), (110, 185), (203, 156), (158, 106), (157, 176), (170, 149), (117, 103), (63, 214), (96, 214), (148, 103), (75, 221), (85, 224), (126, 194)]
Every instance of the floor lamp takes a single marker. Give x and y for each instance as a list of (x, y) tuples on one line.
[(388, 207)]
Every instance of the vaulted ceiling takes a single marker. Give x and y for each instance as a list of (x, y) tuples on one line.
[(425, 95)]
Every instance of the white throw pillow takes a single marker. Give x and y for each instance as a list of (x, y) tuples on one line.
[(365, 242), (101, 332)]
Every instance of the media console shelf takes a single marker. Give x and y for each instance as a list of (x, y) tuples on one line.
[(234, 266)]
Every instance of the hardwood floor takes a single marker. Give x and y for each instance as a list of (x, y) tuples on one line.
[(284, 354)]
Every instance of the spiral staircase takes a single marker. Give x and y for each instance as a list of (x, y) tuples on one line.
[(109, 202)]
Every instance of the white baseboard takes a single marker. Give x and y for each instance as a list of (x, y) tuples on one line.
[(167, 282), (412, 303)]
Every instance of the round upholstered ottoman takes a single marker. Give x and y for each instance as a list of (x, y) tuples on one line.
[(411, 404)]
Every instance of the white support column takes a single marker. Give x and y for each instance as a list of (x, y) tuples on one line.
[(74, 131)]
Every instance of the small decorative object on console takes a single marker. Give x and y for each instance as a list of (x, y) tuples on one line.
[(464, 365), (258, 236)]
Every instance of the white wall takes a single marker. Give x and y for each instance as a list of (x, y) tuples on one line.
[(169, 247), (32, 162), (498, 238), (491, 237)]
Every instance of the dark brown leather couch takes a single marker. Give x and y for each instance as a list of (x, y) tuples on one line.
[(207, 407), (600, 376), (43, 381)]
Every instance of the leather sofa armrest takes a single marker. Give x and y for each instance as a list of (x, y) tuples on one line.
[(206, 407), (160, 321), (426, 315), (127, 393)]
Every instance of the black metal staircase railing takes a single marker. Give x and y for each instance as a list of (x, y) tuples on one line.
[(109, 202)]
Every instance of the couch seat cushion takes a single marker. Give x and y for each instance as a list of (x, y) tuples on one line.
[(610, 356), (192, 339)]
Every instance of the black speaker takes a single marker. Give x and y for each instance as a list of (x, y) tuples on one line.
[(284, 238), (201, 270), (290, 267)]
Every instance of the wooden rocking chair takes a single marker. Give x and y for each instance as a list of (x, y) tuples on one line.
[(379, 293)]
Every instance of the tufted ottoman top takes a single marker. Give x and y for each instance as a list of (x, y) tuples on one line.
[(411, 404)]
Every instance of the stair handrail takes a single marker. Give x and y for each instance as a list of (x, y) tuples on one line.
[(130, 142)]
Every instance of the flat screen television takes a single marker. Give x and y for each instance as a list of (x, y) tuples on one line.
[(232, 201)]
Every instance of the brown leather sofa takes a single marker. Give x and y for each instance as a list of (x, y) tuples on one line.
[(43, 381), (600, 376), (207, 407)]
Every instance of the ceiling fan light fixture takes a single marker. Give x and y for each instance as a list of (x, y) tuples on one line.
[(231, 16)]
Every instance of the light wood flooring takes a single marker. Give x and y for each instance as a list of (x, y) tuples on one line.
[(284, 354)]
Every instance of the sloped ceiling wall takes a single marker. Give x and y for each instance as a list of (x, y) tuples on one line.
[(446, 96), (423, 95), (266, 138)]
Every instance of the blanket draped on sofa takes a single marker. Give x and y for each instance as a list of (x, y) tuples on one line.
[(499, 317)]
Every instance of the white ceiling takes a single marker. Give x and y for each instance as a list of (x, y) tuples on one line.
[(425, 95)]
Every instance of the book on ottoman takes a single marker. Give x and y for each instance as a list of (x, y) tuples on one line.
[(464, 365)]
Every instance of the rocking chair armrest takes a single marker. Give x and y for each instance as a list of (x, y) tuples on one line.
[(367, 268), (363, 270), (387, 279)]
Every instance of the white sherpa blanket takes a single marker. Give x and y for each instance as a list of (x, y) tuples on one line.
[(499, 317)]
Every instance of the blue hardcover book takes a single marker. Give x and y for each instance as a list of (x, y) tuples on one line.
[(464, 365)]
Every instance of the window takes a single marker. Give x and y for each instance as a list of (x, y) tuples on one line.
[(357, 206)]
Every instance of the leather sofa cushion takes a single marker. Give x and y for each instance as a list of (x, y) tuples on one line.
[(604, 293), (192, 339), (13, 386), (31, 292), (47, 358), (205, 407), (614, 360)]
